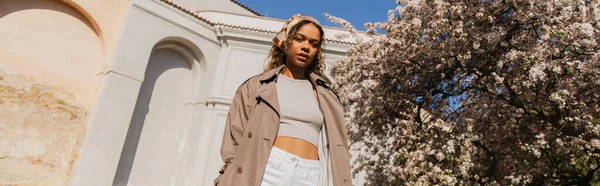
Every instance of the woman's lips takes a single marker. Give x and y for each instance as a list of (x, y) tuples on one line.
[(302, 57)]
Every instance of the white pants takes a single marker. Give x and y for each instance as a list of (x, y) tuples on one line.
[(285, 169)]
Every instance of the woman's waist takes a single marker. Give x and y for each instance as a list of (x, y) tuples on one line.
[(298, 147)]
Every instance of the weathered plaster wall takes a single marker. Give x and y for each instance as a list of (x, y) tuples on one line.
[(62, 43), (53, 57), (41, 129)]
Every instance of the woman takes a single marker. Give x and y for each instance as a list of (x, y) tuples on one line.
[(286, 126)]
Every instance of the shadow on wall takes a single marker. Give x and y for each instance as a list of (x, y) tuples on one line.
[(156, 111), (152, 153)]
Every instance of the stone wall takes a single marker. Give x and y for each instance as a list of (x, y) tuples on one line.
[(41, 130)]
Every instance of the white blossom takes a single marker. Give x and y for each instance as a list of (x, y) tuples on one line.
[(453, 87), (595, 143)]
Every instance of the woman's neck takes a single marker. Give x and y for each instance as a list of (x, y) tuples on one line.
[(293, 72)]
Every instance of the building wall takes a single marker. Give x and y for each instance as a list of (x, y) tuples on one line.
[(53, 53), (137, 108), (222, 6), (213, 5)]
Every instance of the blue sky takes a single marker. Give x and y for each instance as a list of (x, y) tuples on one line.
[(357, 12)]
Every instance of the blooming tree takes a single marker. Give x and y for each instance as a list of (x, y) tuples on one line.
[(484, 92)]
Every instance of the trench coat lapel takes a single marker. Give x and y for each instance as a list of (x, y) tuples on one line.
[(268, 88)]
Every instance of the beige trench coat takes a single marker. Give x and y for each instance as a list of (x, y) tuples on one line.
[(252, 125)]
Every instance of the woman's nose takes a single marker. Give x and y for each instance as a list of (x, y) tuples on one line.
[(304, 47)]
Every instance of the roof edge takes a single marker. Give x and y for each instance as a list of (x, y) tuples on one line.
[(247, 8), (189, 12), (202, 19)]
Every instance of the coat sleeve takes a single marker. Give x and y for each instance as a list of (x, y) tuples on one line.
[(236, 123)]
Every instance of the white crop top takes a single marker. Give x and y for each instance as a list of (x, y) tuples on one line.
[(300, 114)]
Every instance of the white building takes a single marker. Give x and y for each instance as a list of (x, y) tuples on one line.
[(148, 81)]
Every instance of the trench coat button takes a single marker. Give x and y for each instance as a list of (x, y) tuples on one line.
[(249, 134), (239, 170), (327, 146)]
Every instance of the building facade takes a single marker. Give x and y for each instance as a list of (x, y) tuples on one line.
[(120, 92)]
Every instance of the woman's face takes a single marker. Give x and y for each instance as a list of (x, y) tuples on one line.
[(304, 46)]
